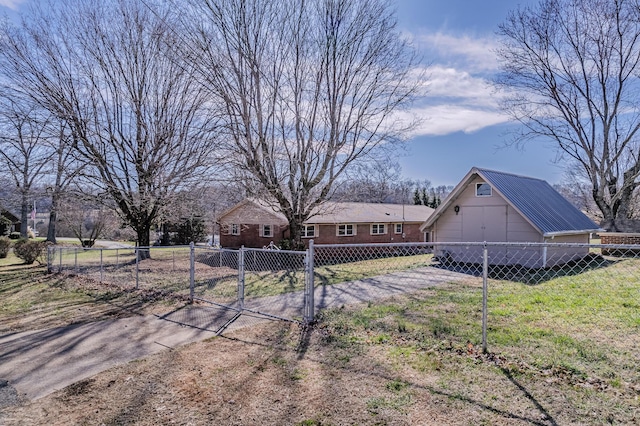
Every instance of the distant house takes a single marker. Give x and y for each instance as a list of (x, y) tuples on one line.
[(255, 224), (493, 206), (9, 222)]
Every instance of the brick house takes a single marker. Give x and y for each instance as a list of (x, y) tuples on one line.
[(255, 224), (9, 222)]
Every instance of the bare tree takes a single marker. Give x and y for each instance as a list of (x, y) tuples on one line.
[(570, 74), (307, 89), (24, 149), (135, 112), (369, 182), (83, 217), (65, 166)]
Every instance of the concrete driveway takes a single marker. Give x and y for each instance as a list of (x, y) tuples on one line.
[(35, 363)]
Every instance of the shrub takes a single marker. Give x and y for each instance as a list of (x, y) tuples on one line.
[(5, 245), (29, 251), (14, 235)]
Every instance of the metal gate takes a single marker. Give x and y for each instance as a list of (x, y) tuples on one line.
[(244, 286)]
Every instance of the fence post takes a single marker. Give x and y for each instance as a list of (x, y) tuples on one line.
[(309, 304), (75, 252), (137, 267), (60, 260), (485, 288), (101, 269), (192, 271), (49, 257), (241, 277)]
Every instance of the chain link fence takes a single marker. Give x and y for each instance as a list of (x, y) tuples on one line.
[(154, 268), (292, 285)]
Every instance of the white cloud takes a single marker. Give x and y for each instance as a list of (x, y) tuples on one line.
[(475, 53), (11, 4), (459, 96), (447, 82), (450, 118)]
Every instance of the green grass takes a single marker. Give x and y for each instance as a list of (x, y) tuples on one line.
[(571, 342)]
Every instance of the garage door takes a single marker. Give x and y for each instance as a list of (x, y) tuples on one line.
[(486, 223)]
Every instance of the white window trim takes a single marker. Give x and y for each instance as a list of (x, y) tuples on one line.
[(235, 229), (262, 233), (483, 183), (395, 228), (353, 229), (378, 225), (305, 233)]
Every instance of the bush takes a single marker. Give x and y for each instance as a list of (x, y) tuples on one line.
[(14, 235), (29, 251), (5, 245)]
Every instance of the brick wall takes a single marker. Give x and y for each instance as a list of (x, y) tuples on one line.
[(619, 238), (325, 234), (250, 237)]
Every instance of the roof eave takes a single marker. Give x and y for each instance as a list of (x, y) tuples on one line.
[(453, 195), (572, 232)]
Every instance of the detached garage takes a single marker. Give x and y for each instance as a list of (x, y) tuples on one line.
[(492, 206)]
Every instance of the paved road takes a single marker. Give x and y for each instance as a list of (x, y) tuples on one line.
[(36, 363)]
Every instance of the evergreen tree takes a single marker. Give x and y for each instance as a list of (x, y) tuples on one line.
[(425, 197), (433, 202), (416, 197)]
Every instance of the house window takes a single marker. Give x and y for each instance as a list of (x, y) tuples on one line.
[(378, 229), (235, 229), (267, 231), (398, 229), (308, 231), (343, 230), (483, 190)]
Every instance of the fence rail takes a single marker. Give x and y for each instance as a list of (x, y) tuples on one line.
[(294, 284)]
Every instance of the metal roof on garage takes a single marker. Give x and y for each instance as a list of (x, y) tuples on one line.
[(536, 200)]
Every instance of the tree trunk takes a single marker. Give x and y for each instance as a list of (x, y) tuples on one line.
[(53, 218), (143, 239), (295, 234), (24, 217)]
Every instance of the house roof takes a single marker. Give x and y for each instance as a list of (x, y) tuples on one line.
[(541, 205), (12, 217), (267, 209), (335, 212)]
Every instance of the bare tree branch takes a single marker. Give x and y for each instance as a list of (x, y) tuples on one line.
[(136, 112), (307, 89), (570, 74)]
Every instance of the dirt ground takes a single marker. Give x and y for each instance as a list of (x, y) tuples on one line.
[(276, 374), (279, 373)]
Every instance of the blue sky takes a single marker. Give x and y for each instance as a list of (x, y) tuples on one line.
[(461, 124)]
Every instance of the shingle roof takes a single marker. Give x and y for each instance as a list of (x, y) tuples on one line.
[(534, 199), (337, 212), (333, 212)]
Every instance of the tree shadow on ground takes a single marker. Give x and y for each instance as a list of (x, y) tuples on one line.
[(527, 275), (304, 343)]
